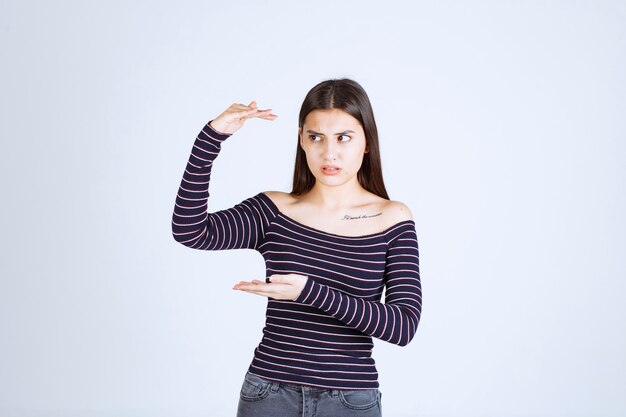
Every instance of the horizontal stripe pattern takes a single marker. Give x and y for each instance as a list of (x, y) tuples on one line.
[(323, 338)]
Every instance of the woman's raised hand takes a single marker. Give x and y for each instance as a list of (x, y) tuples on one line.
[(236, 115)]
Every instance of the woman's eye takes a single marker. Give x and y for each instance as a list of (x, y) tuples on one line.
[(314, 138), (344, 138)]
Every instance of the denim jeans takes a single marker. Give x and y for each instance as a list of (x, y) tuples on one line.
[(260, 397)]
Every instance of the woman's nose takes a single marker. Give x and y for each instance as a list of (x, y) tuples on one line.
[(330, 152)]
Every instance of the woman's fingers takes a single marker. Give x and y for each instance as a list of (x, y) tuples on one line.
[(256, 285), (254, 112), (265, 114), (279, 287), (242, 114), (268, 116), (233, 118), (247, 285), (237, 107), (262, 292), (236, 115), (259, 113)]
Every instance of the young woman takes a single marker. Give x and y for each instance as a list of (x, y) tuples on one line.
[(330, 246)]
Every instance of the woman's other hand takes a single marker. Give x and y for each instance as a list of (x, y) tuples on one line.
[(280, 287), (236, 115)]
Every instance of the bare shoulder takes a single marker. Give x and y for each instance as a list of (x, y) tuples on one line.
[(279, 198), (397, 211)]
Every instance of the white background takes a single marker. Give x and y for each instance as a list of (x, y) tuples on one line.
[(502, 126)]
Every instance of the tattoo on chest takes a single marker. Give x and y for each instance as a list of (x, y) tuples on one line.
[(360, 216)]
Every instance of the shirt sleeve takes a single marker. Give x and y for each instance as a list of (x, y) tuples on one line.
[(239, 227), (394, 321)]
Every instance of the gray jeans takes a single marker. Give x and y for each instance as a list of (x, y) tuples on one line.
[(260, 397)]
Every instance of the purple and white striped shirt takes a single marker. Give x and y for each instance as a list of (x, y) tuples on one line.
[(324, 337)]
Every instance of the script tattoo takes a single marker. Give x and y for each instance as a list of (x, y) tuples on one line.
[(360, 216)]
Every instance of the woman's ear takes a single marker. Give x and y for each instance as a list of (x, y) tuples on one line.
[(300, 136), (367, 149)]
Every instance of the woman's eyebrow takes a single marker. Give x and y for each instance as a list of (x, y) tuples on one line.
[(313, 132)]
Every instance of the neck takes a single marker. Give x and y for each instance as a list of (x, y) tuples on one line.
[(337, 197)]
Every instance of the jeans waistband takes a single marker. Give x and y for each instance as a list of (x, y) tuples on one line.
[(275, 385), (302, 387)]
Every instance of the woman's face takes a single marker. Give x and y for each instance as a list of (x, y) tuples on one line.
[(334, 144)]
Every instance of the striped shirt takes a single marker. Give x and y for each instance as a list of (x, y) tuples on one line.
[(324, 337)]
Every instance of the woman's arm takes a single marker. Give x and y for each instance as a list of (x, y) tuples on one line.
[(241, 226), (394, 321)]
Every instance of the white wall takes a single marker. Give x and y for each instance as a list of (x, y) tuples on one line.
[(502, 127)]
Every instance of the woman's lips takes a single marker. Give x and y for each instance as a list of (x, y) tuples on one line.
[(330, 170)]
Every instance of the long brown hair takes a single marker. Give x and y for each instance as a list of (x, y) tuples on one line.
[(347, 95)]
